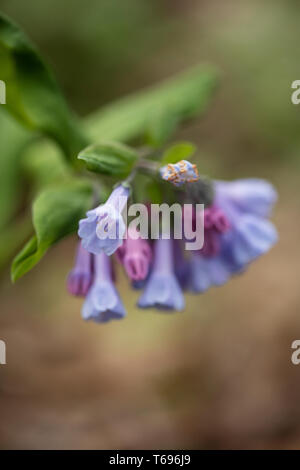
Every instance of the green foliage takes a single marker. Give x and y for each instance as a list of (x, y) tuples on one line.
[(13, 236), (56, 212), (109, 158), (43, 164), (34, 98), (182, 97), (161, 127), (13, 138), (32, 94), (177, 152)]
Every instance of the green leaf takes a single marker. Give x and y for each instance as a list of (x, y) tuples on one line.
[(109, 158), (32, 94), (56, 213), (13, 139), (184, 96), (163, 125), (177, 152), (42, 165)]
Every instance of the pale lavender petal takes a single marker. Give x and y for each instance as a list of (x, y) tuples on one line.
[(252, 237), (95, 230), (208, 272), (249, 195)]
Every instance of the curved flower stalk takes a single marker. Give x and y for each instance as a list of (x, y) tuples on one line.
[(180, 173), (103, 303), (248, 235), (135, 255), (181, 264), (104, 227), (162, 290), (80, 278)]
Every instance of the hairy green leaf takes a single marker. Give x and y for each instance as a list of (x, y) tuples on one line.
[(109, 158), (32, 94), (56, 213)]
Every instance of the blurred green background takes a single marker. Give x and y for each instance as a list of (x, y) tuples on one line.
[(218, 375)]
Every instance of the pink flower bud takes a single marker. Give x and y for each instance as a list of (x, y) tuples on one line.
[(135, 255)]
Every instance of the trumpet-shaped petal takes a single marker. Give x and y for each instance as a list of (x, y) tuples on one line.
[(162, 290), (80, 278), (104, 227), (103, 303)]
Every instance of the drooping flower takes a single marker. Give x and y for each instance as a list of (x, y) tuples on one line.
[(180, 173), (135, 255), (248, 235), (104, 227), (103, 303), (247, 209), (80, 278), (162, 290)]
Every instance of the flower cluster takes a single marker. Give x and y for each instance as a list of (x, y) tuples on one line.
[(246, 233), (237, 230)]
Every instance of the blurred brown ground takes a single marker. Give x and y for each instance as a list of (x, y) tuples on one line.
[(218, 375)]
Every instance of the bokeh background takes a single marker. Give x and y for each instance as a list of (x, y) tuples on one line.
[(218, 375)]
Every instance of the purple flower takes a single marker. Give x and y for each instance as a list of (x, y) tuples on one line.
[(103, 303), (162, 289), (180, 173), (80, 278), (247, 204), (249, 234), (104, 227), (135, 255)]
